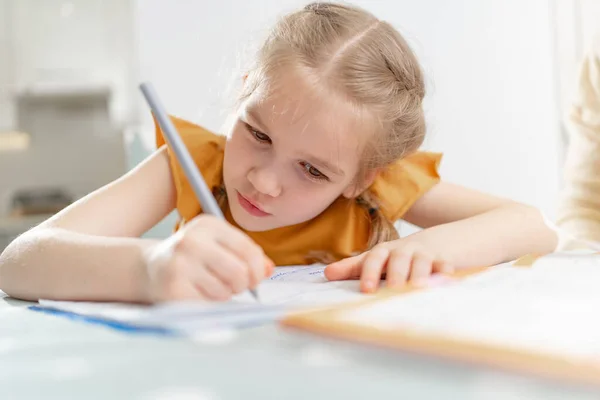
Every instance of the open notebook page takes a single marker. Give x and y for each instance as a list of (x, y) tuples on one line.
[(287, 289), (550, 308)]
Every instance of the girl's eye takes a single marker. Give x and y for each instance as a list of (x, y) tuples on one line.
[(258, 136), (261, 136), (312, 172)]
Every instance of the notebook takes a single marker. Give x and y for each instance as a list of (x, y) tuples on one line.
[(288, 289), (542, 318)]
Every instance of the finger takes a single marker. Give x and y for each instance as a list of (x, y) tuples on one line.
[(173, 282), (180, 290), (348, 268), (225, 265), (210, 285), (249, 252), (398, 267), (441, 266), (270, 267), (421, 267), (372, 267), (200, 251), (246, 249)]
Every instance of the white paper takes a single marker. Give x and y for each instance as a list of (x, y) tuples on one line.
[(288, 289), (551, 308)]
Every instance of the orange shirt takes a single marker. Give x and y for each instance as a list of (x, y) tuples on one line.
[(340, 231)]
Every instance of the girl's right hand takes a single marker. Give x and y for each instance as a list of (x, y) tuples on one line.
[(207, 259)]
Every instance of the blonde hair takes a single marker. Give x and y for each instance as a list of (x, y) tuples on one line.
[(363, 60)]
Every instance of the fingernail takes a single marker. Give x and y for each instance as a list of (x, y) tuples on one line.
[(369, 286)]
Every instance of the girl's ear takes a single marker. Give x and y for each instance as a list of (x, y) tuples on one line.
[(355, 190)]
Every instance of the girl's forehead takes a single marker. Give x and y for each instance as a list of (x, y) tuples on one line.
[(291, 107)]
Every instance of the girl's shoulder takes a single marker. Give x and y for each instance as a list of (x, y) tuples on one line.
[(401, 184)]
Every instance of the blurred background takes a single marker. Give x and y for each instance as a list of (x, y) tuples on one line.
[(500, 75)]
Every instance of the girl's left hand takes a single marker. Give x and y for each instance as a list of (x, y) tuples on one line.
[(399, 260)]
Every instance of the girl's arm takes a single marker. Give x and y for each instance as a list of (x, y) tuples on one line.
[(91, 250), (471, 229), (463, 229)]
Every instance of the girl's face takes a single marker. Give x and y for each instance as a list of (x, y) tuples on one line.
[(289, 155)]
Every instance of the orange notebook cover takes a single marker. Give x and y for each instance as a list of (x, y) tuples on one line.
[(548, 328)]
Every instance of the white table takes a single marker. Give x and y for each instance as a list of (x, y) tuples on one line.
[(50, 357)]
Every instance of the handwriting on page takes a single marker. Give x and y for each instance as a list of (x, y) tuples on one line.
[(314, 274), (304, 285)]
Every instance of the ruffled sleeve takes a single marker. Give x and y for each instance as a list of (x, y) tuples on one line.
[(400, 185), (207, 150)]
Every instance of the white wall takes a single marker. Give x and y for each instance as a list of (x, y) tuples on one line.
[(576, 30), (65, 43), (491, 105)]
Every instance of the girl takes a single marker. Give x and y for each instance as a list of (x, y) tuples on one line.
[(319, 161)]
